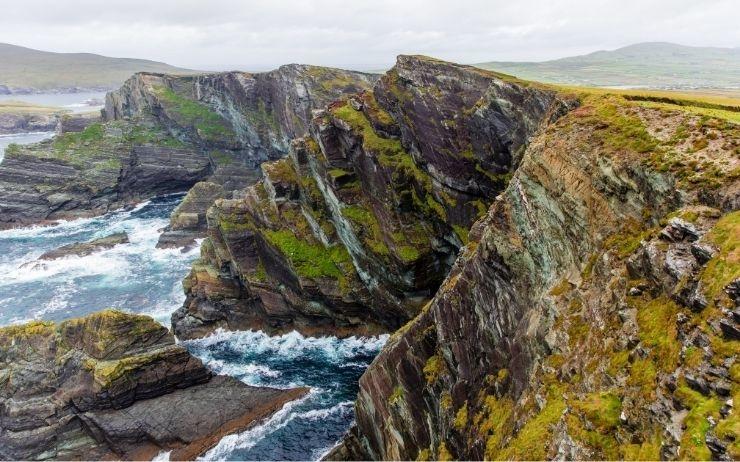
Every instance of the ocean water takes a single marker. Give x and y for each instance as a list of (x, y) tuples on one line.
[(304, 429), (22, 138), (135, 277), (138, 277), (74, 102)]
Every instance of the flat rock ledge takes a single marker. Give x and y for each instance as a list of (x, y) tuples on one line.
[(81, 249), (116, 386)]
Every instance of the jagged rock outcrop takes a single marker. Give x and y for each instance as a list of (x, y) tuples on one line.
[(28, 122), (75, 123), (85, 173), (265, 111), (114, 385), (80, 249), (354, 232), (188, 219), (580, 321), (162, 134)]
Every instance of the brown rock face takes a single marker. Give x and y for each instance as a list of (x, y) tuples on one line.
[(162, 134), (114, 385), (570, 324), (354, 232), (265, 110)]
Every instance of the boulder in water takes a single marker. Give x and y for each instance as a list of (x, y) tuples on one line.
[(114, 385), (81, 249)]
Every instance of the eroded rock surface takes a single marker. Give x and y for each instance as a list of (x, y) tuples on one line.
[(114, 385), (86, 248), (28, 122), (354, 232), (578, 322), (162, 134)]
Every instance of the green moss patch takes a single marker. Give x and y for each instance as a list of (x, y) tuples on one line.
[(530, 443), (601, 409), (188, 112), (725, 267), (311, 260), (700, 407), (434, 368)]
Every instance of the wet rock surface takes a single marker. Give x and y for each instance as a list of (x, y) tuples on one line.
[(115, 385), (80, 249)]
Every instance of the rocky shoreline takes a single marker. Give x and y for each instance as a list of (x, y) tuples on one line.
[(559, 267), (115, 385), (215, 127)]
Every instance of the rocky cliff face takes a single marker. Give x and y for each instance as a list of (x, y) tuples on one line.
[(593, 313), (104, 386), (163, 134), (354, 232), (23, 123)]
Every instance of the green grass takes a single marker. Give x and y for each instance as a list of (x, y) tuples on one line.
[(732, 116), (530, 442), (206, 122), (643, 64), (657, 321), (98, 147), (408, 253), (367, 225), (621, 131), (602, 409), (700, 407), (309, 260), (628, 239), (371, 141), (725, 267)]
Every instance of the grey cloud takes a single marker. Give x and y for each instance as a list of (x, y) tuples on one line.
[(359, 34)]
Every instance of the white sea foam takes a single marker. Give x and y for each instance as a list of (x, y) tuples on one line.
[(60, 228), (293, 344), (251, 373), (58, 302), (163, 456), (248, 439), (103, 263)]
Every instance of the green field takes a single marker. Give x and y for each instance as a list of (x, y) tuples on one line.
[(33, 70), (721, 104), (644, 65), (19, 107)]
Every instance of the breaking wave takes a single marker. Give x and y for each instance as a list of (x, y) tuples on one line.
[(303, 429)]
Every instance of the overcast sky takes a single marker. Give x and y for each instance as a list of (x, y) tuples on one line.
[(259, 35)]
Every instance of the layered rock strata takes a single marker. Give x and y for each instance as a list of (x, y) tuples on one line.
[(162, 134), (116, 386), (260, 114), (354, 232), (592, 313)]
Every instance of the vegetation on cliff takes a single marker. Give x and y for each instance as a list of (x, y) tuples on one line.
[(358, 227), (592, 313)]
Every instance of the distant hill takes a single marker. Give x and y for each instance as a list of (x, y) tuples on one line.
[(24, 70), (645, 65)]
